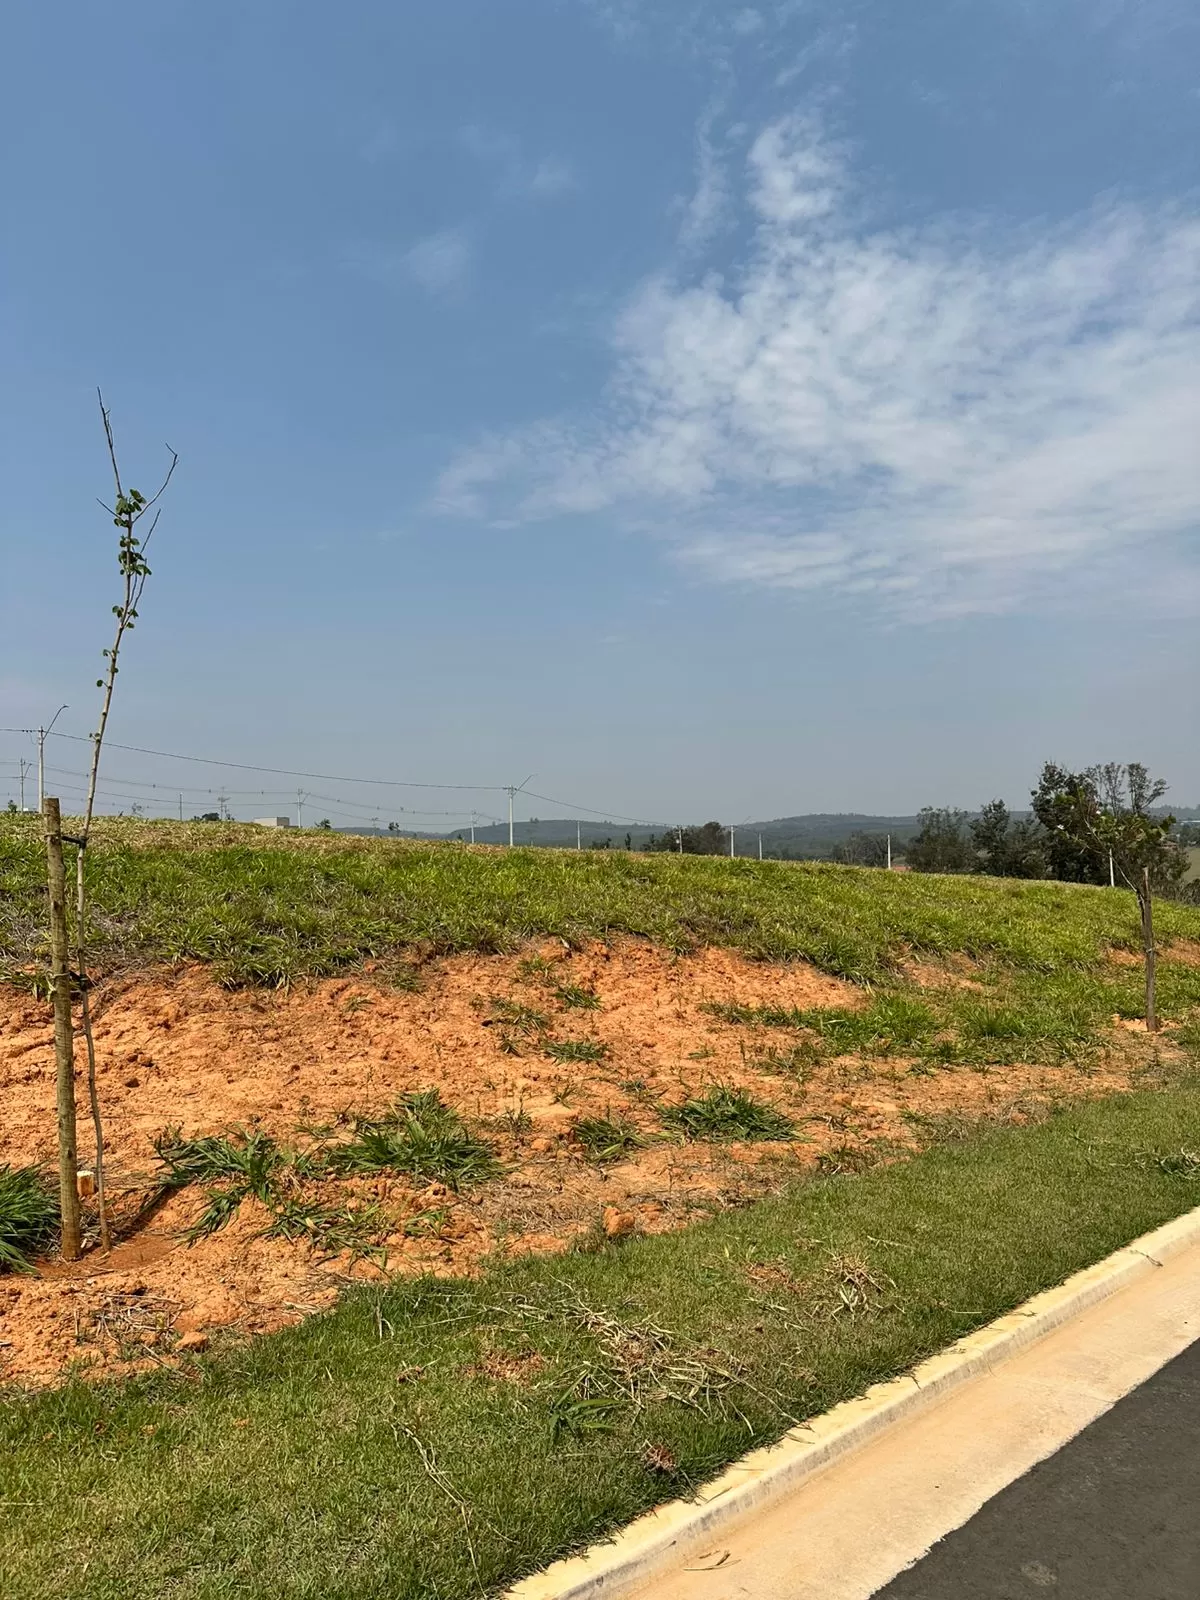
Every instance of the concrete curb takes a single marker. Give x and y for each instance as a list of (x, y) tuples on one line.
[(664, 1536)]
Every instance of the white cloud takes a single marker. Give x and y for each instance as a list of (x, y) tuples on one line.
[(440, 262), (551, 176), (708, 207), (951, 418), (516, 176)]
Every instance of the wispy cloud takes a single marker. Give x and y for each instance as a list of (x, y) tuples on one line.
[(440, 262), (517, 176), (954, 418)]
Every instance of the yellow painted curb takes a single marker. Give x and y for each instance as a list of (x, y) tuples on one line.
[(663, 1536)]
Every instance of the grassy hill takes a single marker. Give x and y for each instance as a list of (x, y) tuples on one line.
[(274, 909)]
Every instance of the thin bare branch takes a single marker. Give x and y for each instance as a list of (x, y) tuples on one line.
[(112, 448), (160, 491)]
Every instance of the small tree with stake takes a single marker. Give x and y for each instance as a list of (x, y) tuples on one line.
[(128, 509), (1107, 810)]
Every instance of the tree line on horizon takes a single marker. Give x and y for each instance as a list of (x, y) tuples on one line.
[(1096, 826), (1093, 826)]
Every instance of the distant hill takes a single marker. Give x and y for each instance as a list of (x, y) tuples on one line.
[(809, 837)]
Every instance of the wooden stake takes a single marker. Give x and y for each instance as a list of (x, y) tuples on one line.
[(64, 1041), (1147, 910), (85, 1017)]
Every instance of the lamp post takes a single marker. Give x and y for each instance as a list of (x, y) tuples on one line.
[(41, 739)]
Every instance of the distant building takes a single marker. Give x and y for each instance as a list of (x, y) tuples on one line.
[(272, 822)]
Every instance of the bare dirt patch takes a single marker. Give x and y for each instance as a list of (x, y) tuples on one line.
[(175, 1049), (953, 971)]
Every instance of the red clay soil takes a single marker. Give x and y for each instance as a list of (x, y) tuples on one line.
[(176, 1049)]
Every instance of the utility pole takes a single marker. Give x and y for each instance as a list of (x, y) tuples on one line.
[(41, 739), (299, 808), (579, 836), (22, 769), (889, 852), (731, 841), (472, 827), (223, 806), (1112, 877), (760, 847), (513, 788), (679, 831), (181, 808)]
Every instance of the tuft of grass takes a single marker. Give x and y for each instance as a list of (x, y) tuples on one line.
[(421, 1137), (891, 1024), (330, 1229), (518, 1025), (246, 1156), (28, 1216), (606, 1138), (573, 996), (725, 1112), (575, 1049), (234, 1167)]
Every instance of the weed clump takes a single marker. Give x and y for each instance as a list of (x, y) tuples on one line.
[(419, 1136), (726, 1112), (576, 1050), (28, 1216), (605, 1138)]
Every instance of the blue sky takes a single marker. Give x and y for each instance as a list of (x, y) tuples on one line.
[(713, 411)]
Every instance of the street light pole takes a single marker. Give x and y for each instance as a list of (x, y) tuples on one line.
[(41, 738)]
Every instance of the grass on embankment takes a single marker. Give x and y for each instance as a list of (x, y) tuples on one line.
[(271, 908), (437, 1439)]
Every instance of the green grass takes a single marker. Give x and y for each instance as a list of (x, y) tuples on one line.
[(606, 1138), (367, 1453), (724, 1112), (420, 1137), (575, 1050), (28, 1216), (271, 910)]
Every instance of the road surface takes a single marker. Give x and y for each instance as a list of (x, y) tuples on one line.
[(1114, 1515)]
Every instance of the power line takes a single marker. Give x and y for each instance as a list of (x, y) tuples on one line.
[(279, 772), (332, 777), (607, 816)]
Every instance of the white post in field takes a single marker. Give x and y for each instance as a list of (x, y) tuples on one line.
[(41, 738)]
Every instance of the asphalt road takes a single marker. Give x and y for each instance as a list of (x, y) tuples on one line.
[(1113, 1515)]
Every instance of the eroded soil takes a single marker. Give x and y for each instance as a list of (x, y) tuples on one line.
[(176, 1049)]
